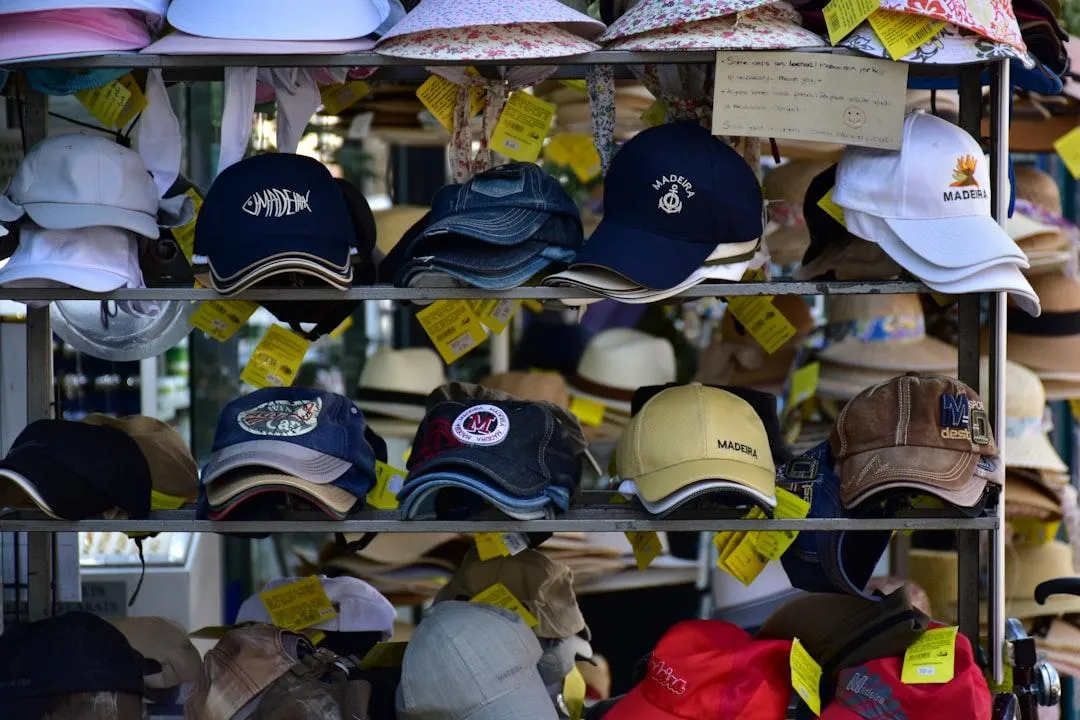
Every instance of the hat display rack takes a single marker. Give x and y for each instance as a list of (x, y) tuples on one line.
[(594, 513)]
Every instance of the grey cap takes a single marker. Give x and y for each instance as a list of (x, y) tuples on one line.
[(475, 662)]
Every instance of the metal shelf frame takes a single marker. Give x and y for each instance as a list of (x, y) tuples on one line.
[(971, 590)]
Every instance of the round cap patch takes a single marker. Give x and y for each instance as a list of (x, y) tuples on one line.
[(281, 418), (481, 425)]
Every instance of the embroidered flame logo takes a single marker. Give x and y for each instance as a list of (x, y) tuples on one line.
[(964, 174)]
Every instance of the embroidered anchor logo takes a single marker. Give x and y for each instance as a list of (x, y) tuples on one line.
[(670, 202)]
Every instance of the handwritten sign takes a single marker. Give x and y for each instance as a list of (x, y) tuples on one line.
[(800, 96)]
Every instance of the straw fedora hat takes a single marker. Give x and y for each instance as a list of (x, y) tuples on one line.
[(1027, 445), (1025, 568), (1038, 187), (884, 332), (1046, 343), (785, 190), (618, 361), (533, 386), (843, 382), (1060, 389), (391, 224), (395, 384), (1027, 499), (936, 572)]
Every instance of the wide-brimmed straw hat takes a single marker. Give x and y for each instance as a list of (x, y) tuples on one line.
[(1050, 342), (1025, 498), (1026, 568), (1027, 444), (785, 190), (883, 332)]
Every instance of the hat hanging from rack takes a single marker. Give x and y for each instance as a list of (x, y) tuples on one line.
[(769, 27)]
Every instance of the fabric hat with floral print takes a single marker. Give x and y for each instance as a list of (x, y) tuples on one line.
[(951, 46), (771, 27), (993, 19), (651, 15), (493, 42)]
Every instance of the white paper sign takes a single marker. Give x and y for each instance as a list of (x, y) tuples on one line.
[(807, 96)]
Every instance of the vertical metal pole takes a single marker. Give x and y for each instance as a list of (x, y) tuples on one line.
[(1000, 98)]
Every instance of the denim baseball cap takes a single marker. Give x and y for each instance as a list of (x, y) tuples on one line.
[(674, 192), (279, 211), (827, 561), (516, 455), (506, 205)]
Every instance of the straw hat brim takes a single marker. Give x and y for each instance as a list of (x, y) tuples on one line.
[(1061, 389), (1045, 352), (924, 355), (1033, 452)]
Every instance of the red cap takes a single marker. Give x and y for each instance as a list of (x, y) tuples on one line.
[(711, 670), (873, 691)]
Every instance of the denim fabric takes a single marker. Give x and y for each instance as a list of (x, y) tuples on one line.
[(418, 498)]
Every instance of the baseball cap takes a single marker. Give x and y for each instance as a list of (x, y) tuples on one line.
[(97, 259), (272, 214), (673, 191), (170, 659), (827, 561), (692, 440), (543, 586), (520, 456), (360, 607), (74, 471), (468, 661), (70, 653), (73, 181), (73, 32), (293, 440), (710, 668), (942, 446), (874, 691), (841, 631), (173, 470)]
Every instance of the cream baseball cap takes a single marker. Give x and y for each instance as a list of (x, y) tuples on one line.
[(691, 440)]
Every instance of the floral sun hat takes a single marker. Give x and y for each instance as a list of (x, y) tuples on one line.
[(951, 46), (771, 27), (993, 19), (651, 15)]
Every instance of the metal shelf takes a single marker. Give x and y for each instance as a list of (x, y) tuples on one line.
[(587, 518), (386, 292)]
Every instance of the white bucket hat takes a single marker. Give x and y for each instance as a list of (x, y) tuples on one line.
[(278, 19), (617, 362), (396, 383)]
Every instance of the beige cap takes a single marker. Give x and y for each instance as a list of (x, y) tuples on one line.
[(694, 439), (173, 470), (544, 587), (166, 643)]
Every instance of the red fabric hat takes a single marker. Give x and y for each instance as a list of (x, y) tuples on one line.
[(711, 670), (873, 691)]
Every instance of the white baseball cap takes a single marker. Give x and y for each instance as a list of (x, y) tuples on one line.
[(278, 19), (934, 193), (360, 607), (150, 7), (98, 259), (79, 180)]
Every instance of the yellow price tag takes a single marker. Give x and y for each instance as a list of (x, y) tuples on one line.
[(439, 96), (276, 360), (388, 482), (185, 234), (524, 123), (1074, 408), (843, 16), (1068, 148), (453, 328), (220, 319), (646, 545), (655, 114), (384, 655), (495, 314), (901, 33), (315, 636), (1032, 532), (932, 658), (804, 383), (336, 98), (585, 161), (342, 328), (494, 544), (742, 560), (560, 148), (573, 693), (763, 321), (1006, 680), (500, 596), (806, 676), (774, 544), (534, 305), (943, 299), (116, 104), (831, 208), (590, 412), (163, 501), (578, 85), (299, 604)]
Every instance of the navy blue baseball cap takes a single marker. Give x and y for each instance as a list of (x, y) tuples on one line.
[(272, 214), (673, 195), (293, 440), (827, 561), (505, 205)]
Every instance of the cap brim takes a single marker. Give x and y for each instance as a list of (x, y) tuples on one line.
[(1000, 278), (947, 242), (29, 490), (306, 464), (634, 706), (229, 493), (29, 273), (652, 260), (949, 475), (9, 211), (413, 498), (1020, 226), (181, 43), (498, 226), (59, 216), (925, 355), (678, 483)]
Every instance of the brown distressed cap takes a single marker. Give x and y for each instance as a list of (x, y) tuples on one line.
[(173, 470), (927, 435)]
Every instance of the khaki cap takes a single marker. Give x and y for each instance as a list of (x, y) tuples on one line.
[(694, 439), (173, 470), (165, 642), (938, 442), (544, 587)]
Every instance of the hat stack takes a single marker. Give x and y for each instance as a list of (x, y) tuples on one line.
[(298, 444), (656, 25), (1049, 345), (923, 203), (32, 29), (872, 338), (1037, 225), (680, 208), (494, 232), (394, 386)]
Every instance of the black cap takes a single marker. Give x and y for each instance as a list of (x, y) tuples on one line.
[(822, 227), (764, 405), (75, 471), (71, 653)]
